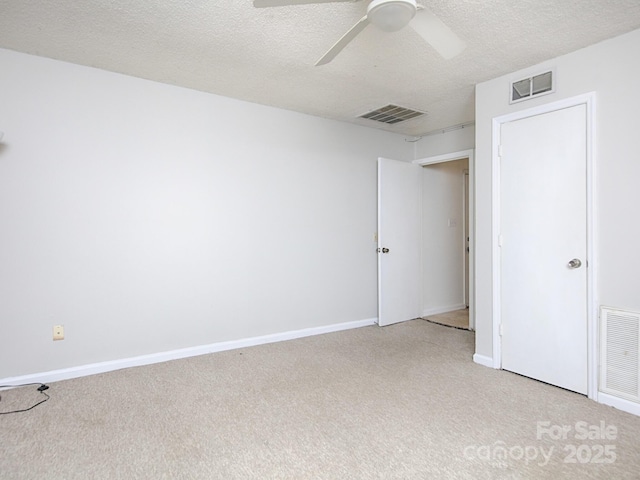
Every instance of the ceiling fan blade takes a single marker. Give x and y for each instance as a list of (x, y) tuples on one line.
[(344, 41), (437, 34), (282, 3)]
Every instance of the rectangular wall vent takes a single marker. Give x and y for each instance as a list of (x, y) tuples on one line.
[(620, 354), (532, 87), (392, 114)]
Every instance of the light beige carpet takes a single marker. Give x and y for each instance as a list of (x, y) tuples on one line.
[(457, 319), (400, 402)]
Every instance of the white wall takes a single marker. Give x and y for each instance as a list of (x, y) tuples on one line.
[(146, 217), (443, 245), (610, 69)]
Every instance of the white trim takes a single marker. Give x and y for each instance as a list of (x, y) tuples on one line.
[(439, 310), (445, 157), (495, 248), (379, 246), (593, 313), (450, 157), (466, 233), (588, 99), (619, 403), (483, 360), (109, 366)]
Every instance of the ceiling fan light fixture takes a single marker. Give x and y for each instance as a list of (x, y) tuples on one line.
[(391, 15)]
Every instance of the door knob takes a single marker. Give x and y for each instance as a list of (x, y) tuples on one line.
[(385, 250), (575, 263)]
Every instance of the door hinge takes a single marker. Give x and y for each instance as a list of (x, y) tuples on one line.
[(500, 239), (500, 330), (500, 151)]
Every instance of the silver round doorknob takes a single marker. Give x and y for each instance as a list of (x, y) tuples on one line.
[(575, 263)]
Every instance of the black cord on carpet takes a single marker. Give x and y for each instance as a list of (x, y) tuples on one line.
[(41, 389), (445, 325)]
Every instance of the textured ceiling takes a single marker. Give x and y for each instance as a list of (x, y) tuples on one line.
[(267, 55)]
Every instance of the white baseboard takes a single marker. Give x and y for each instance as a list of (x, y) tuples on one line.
[(483, 360), (109, 366), (437, 310), (619, 403)]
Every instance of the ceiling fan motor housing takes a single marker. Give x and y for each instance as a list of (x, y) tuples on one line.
[(391, 15)]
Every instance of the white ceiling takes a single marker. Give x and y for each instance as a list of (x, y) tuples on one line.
[(267, 55)]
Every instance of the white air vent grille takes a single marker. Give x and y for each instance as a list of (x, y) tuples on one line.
[(532, 87), (620, 354), (392, 114)]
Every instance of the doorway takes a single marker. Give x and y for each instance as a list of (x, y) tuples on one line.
[(444, 243), (455, 220)]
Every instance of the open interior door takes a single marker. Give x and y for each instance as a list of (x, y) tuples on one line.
[(399, 241)]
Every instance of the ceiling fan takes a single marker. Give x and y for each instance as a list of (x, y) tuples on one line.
[(390, 16)]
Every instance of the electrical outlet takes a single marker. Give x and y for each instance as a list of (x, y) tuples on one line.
[(58, 332)]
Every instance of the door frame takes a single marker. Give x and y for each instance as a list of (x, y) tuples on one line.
[(466, 235), (589, 100), (450, 157)]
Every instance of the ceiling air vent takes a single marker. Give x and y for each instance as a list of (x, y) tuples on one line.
[(532, 87), (391, 114)]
